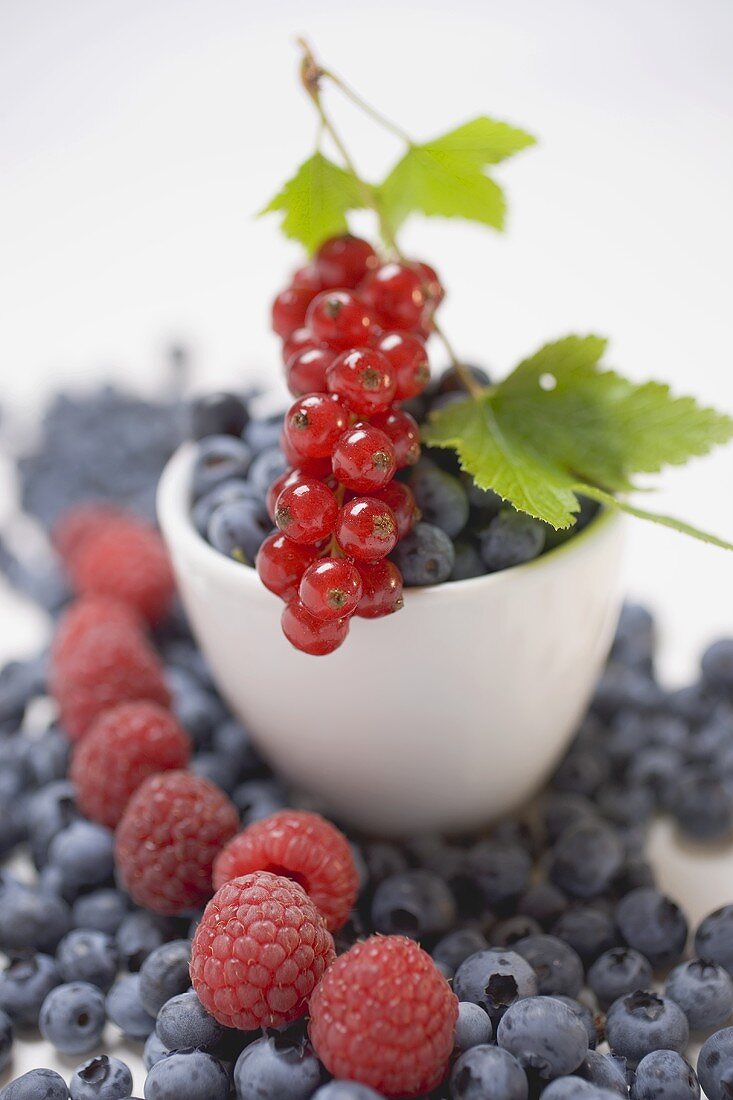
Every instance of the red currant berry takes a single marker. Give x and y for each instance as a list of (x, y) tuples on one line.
[(395, 294), (408, 358), (366, 529), (381, 590), (309, 634), (281, 563), (306, 370), (289, 310), (431, 284), (307, 511), (399, 497), (404, 433), (331, 588), (338, 318), (299, 340), (344, 261), (363, 378), (315, 423), (308, 277), (311, 467), (364, 459), (290, 477)]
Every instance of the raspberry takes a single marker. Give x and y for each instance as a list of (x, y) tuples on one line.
[(122, 748), (76, 525), (173, 828), (259, 951), (384, 1015), (110, 664), (126, 559), (301, 846), (86, 615)]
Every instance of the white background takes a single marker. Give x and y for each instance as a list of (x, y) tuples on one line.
[(138, 138)]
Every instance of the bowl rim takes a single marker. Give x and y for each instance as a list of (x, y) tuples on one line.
[(174, 516)]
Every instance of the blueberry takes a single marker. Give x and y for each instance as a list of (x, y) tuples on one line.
[(345, 1090), (544, 1035), (509, 932), (585, 859), (414, 903), (715, 1065), (425, 556), (717, 664), (702, 805), (602, 1070), (84, 854), (101, 1078), (218, 770), (585, 1016), (276, 1065), (50, 810), (625, 804), (24, 984), (455, 947), (714, 938), (231, 742), (184, 1022), (153, 1051), (187, 1075), (450, 381), (238, 529), (502, 870), (642, 1022), (138, 936), (164, 974), (488, 1073), (440, 497), (72, 1017), (49, 758), (263, 433), (235, 489), (219, 458), (258, 798), (665, 1075), (467, 562), (198, 710), (218, 414), (581, 772), (37, 1084), (653, 924), (88, 956), (494, 980), (557, 966), (103, 909), (575, 1088), (635, 637), (6, 1040), (32, 920), (473, 1026), (543, 902), (125, 1008), (561, 811), (617, 972), (704, 992), (511, 538), (266, 468), (656, 767), (628, 690), (588, 929)]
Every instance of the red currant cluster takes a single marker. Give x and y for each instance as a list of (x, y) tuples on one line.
[(353, 331)]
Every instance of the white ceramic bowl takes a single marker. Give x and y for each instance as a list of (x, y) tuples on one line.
[(441, 717)]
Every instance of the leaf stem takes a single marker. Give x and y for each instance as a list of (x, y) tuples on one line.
[(367, 108), (611, 501)]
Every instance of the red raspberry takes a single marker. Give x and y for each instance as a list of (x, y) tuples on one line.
[(384, 1015), (301, 846), (109, 665), (122, 748), (259, 952), (86, 615), (126, 559), (77, 524), (172, 829)]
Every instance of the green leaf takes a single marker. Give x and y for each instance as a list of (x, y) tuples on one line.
[(654, 517), (447, 177), (560, 425), (315, 201)]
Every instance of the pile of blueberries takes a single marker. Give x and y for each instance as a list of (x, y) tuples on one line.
[(554, 915)]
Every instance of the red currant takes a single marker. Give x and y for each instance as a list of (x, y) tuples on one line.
[(315, 423), (364, 459), (289, 310), (281, 563), (307, 511), (309, 634), (366, 529), (400, 499), (394, 293), (344, 261), (338, 318), (363, 378), (408, 358), (306, 369), (381, 590), (311, 467), (431, 284), (308, 277), (299, 340), (331, 588), (403, 432)]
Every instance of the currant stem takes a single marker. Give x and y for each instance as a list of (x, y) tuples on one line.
[(367, 108)]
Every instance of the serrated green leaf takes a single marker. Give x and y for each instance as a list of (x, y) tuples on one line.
[(654, 517), (315, 201), (447, 177)]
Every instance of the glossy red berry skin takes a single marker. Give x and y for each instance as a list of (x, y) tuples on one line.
[(314, 424), (344, 261), (330, 588), (363, 379), (299, 340), (403, 432), (310, 467), (408, 357), (432, 285), (395, 295), (306, 370), (281, 563), (289, 310), (308, 277), (306, 512), (339, 318), (400, 499), (316, 637), (366, 529), (364, 459), (381, 584), (290, 477)]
